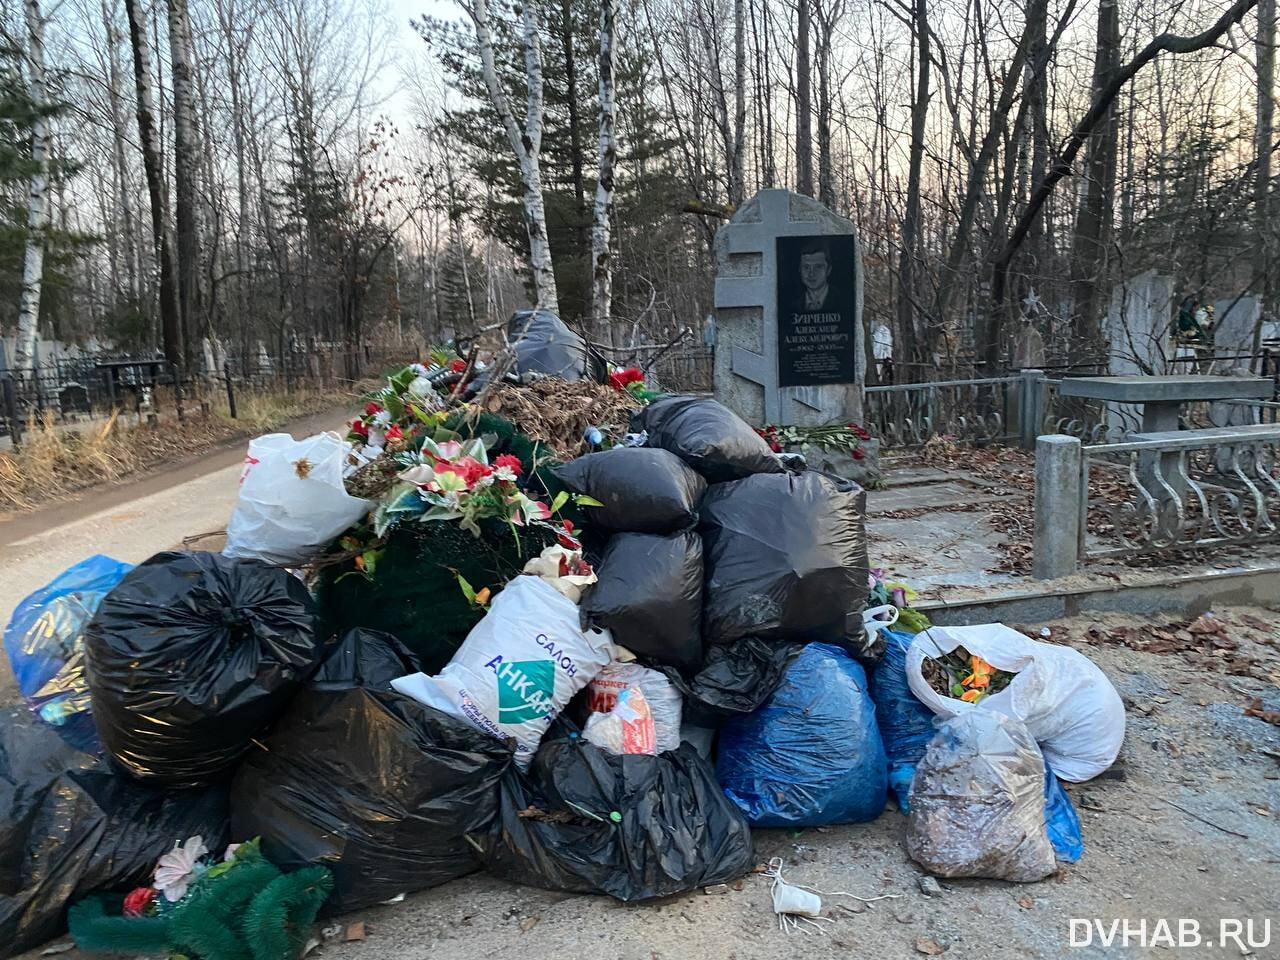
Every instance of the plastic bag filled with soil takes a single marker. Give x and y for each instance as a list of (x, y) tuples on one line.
[(632, 826), (978, 802), (706, 435), (45, 643), (193, 655), (812, 754), (642, 490), (72, 827), (735, 678), (785, 556), (414, 595), (649, 596), (375, 786)]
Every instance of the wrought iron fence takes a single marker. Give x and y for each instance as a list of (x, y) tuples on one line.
[(981, 411), (1208, 488)]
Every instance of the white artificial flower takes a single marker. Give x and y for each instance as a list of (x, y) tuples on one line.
[(176, 869), (381, 420), (503, 473), (418, 370), (421, 388)]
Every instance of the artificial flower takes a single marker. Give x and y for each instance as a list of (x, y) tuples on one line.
[(371, 408), (509, 461), (620, 379), (229, 854), (418, 369), (421, 388), (394, 433), (858, 453), (458, 365), (136, 902), (176, 869), (381, 419)]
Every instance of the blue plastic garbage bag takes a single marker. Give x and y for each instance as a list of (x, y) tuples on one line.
[(44, 640), (906, 725), (1061, 820), (812, 754)]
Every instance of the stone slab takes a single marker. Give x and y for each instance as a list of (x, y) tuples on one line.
[(1166, 389)]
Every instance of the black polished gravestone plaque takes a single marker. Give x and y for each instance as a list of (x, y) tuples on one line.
[(817, 310)]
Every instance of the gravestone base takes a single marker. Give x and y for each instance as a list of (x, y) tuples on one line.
[(865, 472)]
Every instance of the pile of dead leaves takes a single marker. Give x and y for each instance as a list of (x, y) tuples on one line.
[(1203, 643), (558, 412)]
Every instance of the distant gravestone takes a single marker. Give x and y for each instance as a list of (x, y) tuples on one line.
[(789, 339)]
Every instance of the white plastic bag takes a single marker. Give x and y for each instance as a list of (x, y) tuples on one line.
[(1068, 704), (977, 802), (557, 565), (627, 727), (292, 501), (664, 700), (519, 666)]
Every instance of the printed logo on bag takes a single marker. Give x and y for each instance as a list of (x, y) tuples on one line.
[(525, 688)]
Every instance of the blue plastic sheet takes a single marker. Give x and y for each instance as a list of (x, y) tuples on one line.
[(46, 649), (906, 725), (812, 753)]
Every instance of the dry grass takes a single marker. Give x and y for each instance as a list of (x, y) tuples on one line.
[(55, 460)]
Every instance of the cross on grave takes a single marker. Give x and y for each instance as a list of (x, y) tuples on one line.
[(747, 294)]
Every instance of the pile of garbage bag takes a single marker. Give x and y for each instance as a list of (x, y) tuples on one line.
[(431, 648)]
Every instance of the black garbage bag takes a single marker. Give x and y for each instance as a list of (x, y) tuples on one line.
[(72, 827), (364, 658), (190, 657), (544, 345), (706, 435), (649, 596), (786, 557), (375, 786), (736, 678), (633, 826), (643, 490)]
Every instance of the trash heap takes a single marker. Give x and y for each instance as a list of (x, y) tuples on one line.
[(587, 652)]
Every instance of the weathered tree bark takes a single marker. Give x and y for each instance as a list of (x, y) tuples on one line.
[(1096, 209), (737, 175), (24, 359), (526, 143), (186, 160), (127, 213), (804, 109), (906, 304), (827, 14), (576, 160), (1263, 229), (601, 263), (170, 316), (1062, 164)]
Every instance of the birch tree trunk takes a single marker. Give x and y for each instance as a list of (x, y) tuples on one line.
[(601, 265), (186, 159), (526, 143), (118, 153), (804, 131), (24, 359), (170, 318)]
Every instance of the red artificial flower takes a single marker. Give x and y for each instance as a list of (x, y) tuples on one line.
[(469, 469), (395, 433), (371, 408), (358, 427), (858, 453), (509, 460), (137, 901), (775, 446), (619, 379), (458, 366)]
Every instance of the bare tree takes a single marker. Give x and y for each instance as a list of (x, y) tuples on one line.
[(911, 216), (1263, 136), (601, 264), (526, 143), (37, 194), (804, 109), (186, 158)]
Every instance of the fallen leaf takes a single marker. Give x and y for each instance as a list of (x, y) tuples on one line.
[(1256, 623), (62, 946), (930, 948), (1255, 709), (302, 467), (1026, 903), (1206, 625), (355, 931), (1262, 811), (528, 923)]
